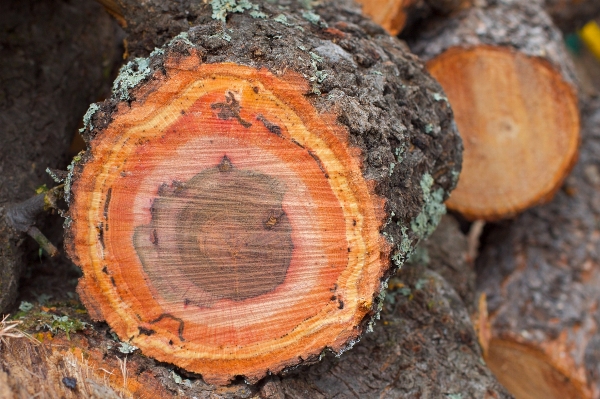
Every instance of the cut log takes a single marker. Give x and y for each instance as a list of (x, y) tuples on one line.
[(242, 205), (541, 275), (46, 81), (508, 78), (423, 346), (396, 15)]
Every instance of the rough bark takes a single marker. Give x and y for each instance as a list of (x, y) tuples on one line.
[(423, 346), (54, 59), (510, 82), (541, 276)]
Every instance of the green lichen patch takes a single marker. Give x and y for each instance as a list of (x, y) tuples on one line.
[(66, 324), (87, 118), (433, 209), (67, 317), (69, 179), (420, 256), (314, 19), (405, 248), (221, 8), (282, 19), (126, 347), (130, 75)]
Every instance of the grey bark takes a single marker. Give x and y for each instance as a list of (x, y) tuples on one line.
[(522, 25)]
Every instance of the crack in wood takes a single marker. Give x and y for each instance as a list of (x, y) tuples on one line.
[(177, 319), (106, 204), (271, 127), (319, 163), (230, 109)]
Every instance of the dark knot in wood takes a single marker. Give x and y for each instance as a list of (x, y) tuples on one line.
[(224, 230)]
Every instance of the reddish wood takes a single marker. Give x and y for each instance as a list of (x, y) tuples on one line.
[(214, 165)]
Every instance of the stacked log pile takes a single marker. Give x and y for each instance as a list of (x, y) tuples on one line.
[(541, 277), (263, 169)]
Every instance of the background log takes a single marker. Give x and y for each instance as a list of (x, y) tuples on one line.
[(404, 16), (55, 58), (395, 16), (541, 277), (509, 81)]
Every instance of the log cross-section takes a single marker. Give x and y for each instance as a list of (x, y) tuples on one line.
[(224, 226), (253, 183)]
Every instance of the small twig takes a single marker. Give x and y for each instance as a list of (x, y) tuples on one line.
[(22, 216), (473, 239), (123, 367), (8, 329), (42, 241)]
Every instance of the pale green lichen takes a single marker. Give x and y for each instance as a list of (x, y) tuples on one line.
[(404, 249), (421, 283), (392, 166), (65, 324), (69, 180), (220, 8), (428, 128), (315, 57), (419, 256), (318, 76), (399, 151), (179, 380), (182, 37), (25, 306), (455, 174), (307, 4), (130, 75), (314, 19), (126, 347), (439, 97), (54, 176), (258, 14), (282, 19), (433, 209), (221, 35), (87, 118)]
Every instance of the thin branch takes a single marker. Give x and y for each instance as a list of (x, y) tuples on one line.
[(21, 216)]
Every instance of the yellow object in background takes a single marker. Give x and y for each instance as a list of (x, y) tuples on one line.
[(590, 34)]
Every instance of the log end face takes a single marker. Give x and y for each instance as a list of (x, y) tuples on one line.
[(534, 375), (223, 224), (520, 126)]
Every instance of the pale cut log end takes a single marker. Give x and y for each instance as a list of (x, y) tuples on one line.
[(520, 125), (390, 14), (528, 373)]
